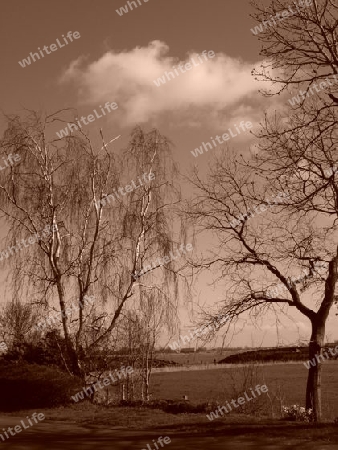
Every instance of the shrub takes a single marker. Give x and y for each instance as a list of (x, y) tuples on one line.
[(179, 407), (245, 378), (45, 352), (297, 413), (25, 386), (170, 406)]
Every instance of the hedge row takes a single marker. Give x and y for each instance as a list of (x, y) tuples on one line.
[(25, 386)]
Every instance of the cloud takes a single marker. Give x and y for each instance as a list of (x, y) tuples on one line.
[(222, 86)]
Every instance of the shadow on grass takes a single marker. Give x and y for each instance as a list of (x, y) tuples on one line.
[(246, 425)]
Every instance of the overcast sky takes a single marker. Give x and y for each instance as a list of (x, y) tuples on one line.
[(116, 58)]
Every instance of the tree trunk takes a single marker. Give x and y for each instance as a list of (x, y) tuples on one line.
[(147, 371), (313, 388), (146, 378), (75, 365), (74, 360)]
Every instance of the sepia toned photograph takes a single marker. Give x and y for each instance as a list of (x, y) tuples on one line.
[(169, 224)]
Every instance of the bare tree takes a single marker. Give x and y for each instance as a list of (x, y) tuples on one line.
[(274, 222), (98, 234), (141, 329), (154, 321), (301, 52), (16, 321)]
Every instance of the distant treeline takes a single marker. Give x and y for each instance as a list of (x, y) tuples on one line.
[(115, 361), (271, 355)]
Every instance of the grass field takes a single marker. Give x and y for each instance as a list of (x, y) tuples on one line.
[(85, 425), (216, 385)]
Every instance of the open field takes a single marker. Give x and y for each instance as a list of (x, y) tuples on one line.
[(212, 385)]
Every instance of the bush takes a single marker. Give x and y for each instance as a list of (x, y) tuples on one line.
[(170, 406), (297, 413), (25, 386), (45, 352), (186, 407)]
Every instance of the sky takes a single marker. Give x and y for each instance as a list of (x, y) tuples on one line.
[(116, 56)]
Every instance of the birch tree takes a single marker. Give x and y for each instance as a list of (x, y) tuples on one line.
[(106, 215)]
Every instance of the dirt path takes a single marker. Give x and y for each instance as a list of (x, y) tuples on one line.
[(57, 435)]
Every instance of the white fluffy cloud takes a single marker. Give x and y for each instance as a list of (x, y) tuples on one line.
[(222, 86)]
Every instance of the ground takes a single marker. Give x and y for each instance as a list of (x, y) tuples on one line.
[(86, 426)]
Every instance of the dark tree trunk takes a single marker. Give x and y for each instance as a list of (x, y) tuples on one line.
[(75, 363), (318, 320), (314, 381)]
